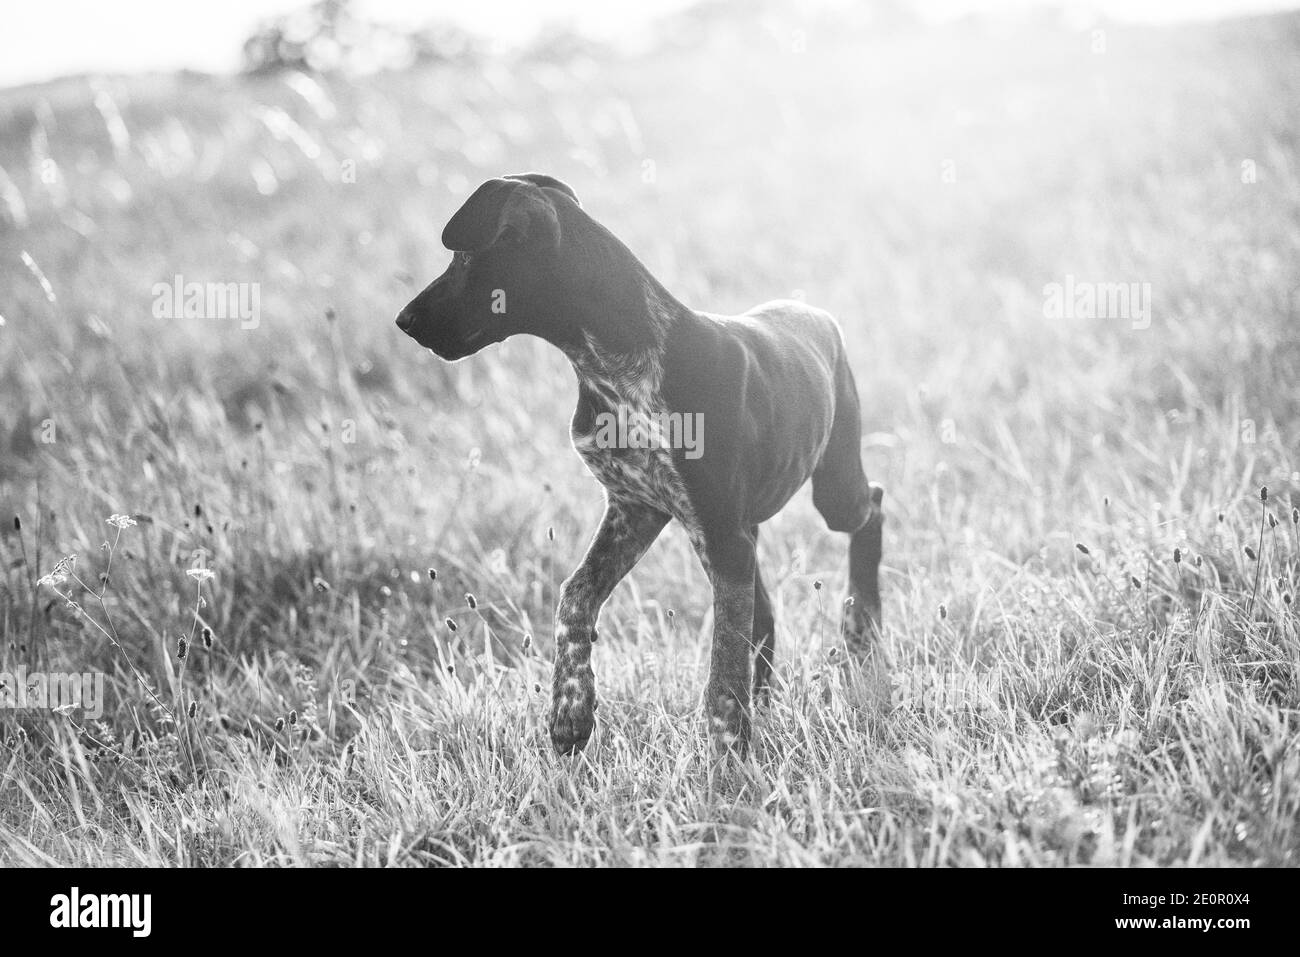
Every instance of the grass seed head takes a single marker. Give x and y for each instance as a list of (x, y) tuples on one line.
[(450, 624), (1250, 553), (433, 574), (471, 600), (1083, 549), (182, 649)]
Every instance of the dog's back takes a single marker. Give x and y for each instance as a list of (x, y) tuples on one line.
[(769, 384)]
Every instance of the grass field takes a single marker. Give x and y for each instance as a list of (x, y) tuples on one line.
[(1053, 705)]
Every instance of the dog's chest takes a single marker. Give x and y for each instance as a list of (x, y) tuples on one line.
[(613, 431)]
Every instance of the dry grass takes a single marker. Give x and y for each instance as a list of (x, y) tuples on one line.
[(1110, 707)]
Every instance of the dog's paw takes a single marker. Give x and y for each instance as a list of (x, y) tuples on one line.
[(728, 725), (573, 712), (862, 626)]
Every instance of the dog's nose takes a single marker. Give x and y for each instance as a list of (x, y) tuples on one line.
[(405, 319)]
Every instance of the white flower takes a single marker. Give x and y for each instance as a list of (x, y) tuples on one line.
[(201, 574), (59, 575), (121, 521)]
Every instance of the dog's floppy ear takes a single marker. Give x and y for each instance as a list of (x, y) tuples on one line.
[(498, 205), (548, 182)]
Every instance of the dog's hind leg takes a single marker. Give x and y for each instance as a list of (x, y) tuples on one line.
[(626, 531), (764, 637), (849, 503), (728, 557)]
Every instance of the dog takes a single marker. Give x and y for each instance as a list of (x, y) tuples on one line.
[(772, 389)]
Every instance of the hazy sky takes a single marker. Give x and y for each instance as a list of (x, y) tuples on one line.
[(50, 38)]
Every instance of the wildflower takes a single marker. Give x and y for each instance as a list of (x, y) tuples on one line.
[(194, 708), (943, 611), (451, 624), (121, 521), (817, 585), (320, 584), (1178, 556), (671, 614), (1272, 521), (848, 602), (182, 649), (550, 533), (207, 637), (433, 574), (832, 653), (18, 524), (537, 687), (279, 724), (451, 669), (471, 600), (201, 575), (528, 640), (1198, 561), (1263, 493), (1295, 516), (1135, 581), (293, 717), (1250, 553)]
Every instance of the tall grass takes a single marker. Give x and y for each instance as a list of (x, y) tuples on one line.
[(1108, 704)]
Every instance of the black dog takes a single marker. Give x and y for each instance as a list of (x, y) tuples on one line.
[(771, 390)]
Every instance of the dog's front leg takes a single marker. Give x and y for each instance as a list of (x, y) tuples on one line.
[(626, 530), (730, 560)]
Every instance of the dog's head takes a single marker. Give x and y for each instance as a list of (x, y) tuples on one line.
[(506, 270)]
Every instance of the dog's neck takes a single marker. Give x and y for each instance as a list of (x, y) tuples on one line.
[(622, 318)]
